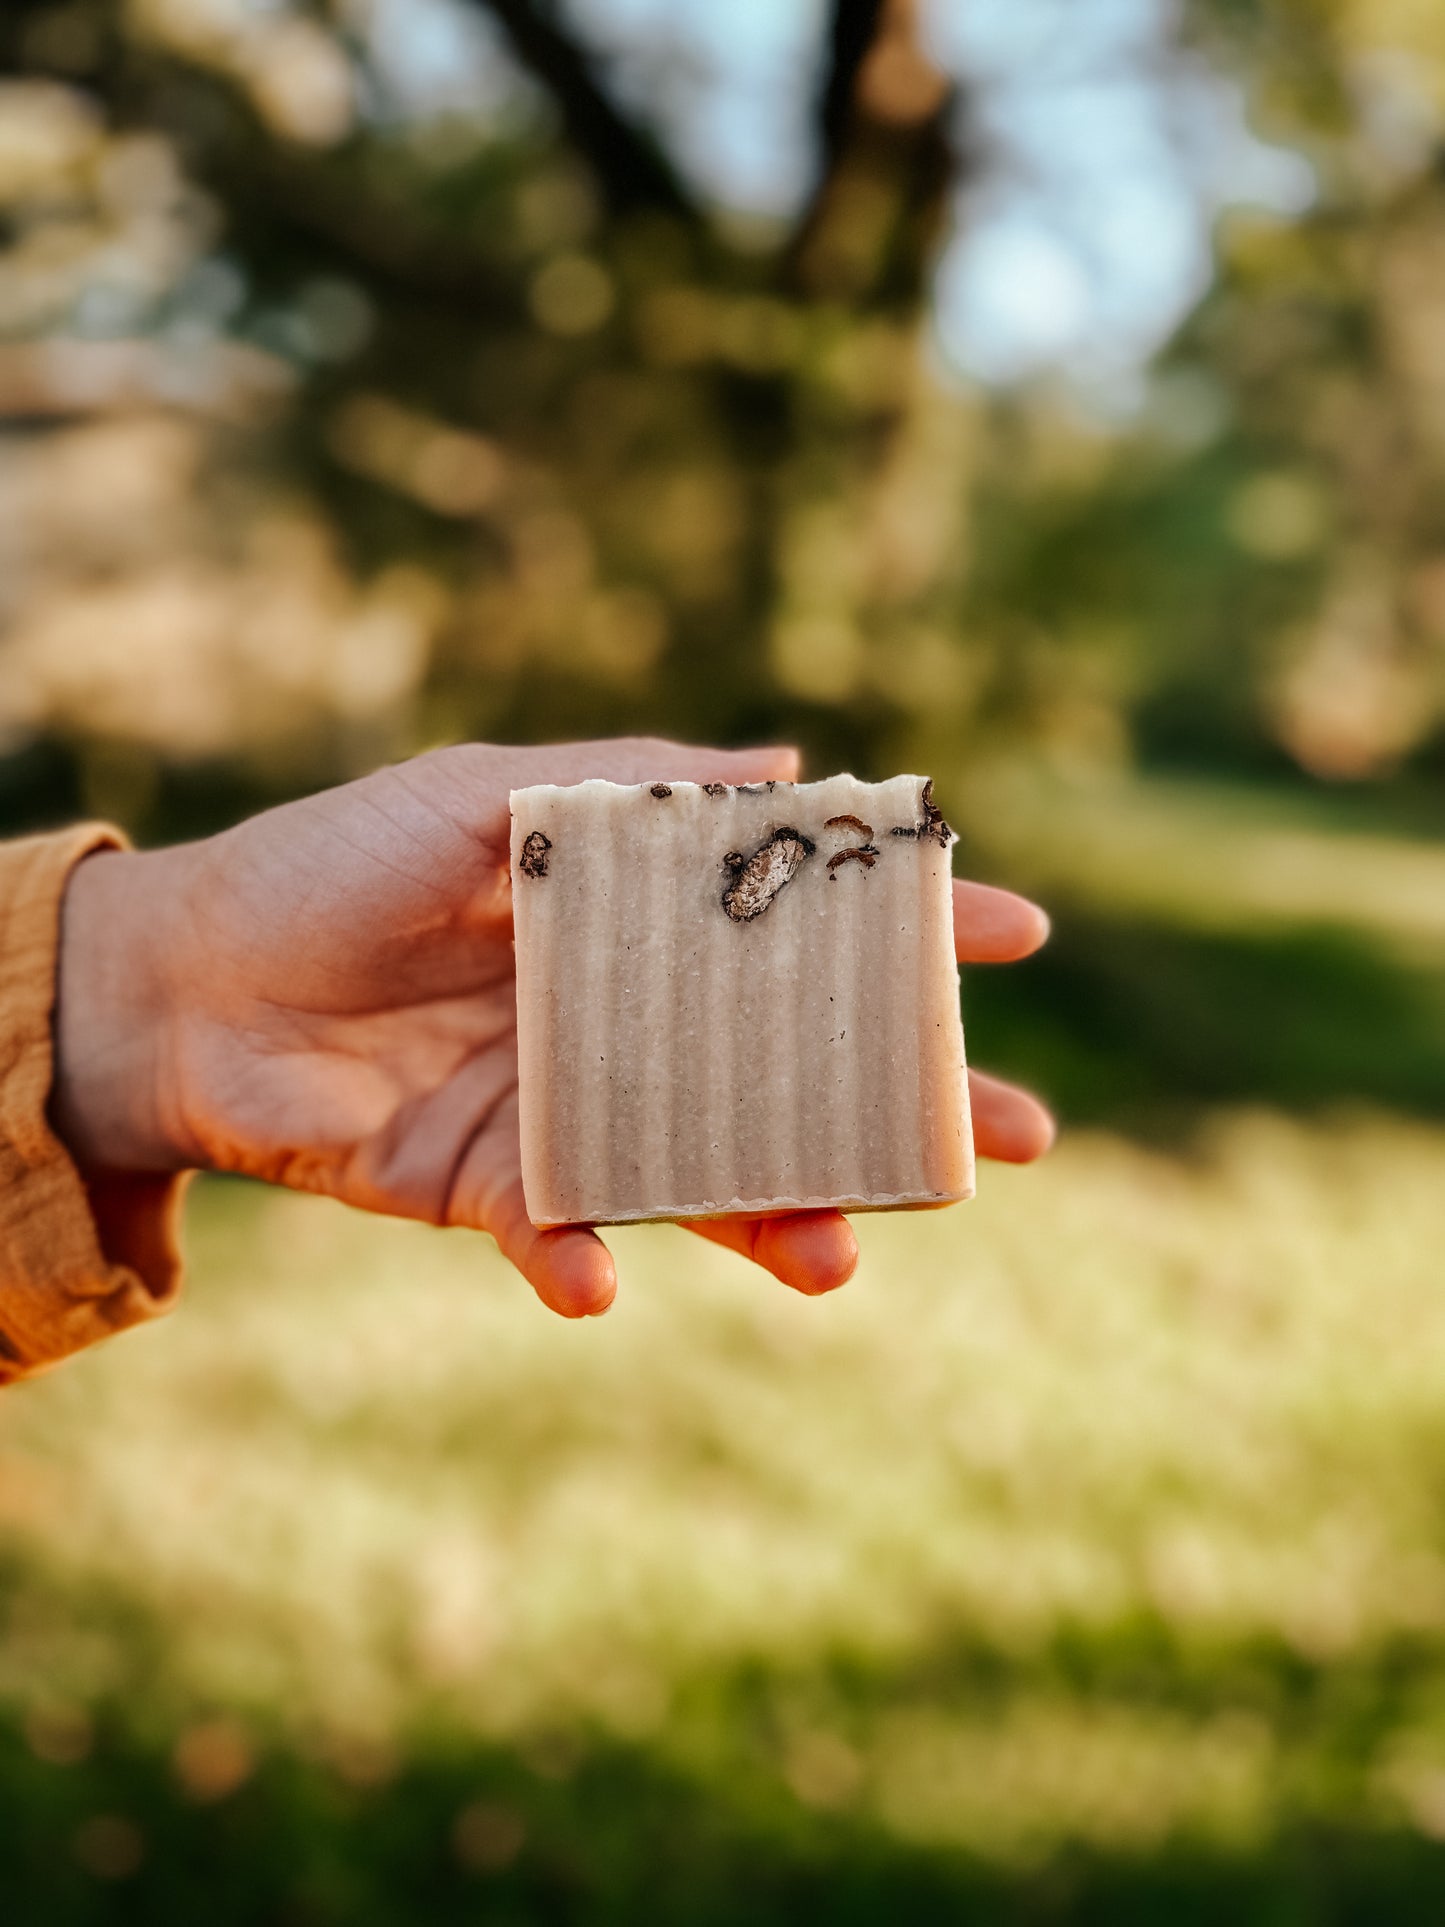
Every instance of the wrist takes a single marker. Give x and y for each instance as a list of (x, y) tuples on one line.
[(113, 1098)]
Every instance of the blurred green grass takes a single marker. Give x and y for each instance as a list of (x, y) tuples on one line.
[(1215, 943), (1085, 1560)]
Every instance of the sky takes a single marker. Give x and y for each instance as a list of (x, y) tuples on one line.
[(1109, 152)]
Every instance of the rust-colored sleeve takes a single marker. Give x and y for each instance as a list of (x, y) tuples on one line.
[(77, 1261)]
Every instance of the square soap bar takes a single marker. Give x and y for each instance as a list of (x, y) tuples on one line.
[(736, 999)]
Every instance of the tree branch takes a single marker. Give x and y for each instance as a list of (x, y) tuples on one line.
[(279, 199), (869, 232), (853, 30), (630, 166)]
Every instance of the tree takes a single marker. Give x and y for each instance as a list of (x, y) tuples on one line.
[(365, 428), (550, 447)]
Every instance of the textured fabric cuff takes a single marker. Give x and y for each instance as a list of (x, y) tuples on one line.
[(77, 1261)]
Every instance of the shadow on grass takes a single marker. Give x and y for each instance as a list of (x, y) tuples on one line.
[(599, 1833), (1135, 1025)]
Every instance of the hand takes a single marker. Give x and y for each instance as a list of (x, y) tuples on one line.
[(325, 997)]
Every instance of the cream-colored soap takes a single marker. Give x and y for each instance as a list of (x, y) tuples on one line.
[(736, 999)]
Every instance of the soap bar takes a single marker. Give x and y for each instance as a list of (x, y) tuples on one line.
[(736, 999)]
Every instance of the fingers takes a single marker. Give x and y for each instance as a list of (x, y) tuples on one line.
[(569, 1268), (1007, 1122), (995, 926), (811, 1251)]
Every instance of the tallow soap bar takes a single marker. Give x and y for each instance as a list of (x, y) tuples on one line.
[(736, 999)]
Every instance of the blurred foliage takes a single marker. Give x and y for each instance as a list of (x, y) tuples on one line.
[(514, 438), (1255, 573), (341, 423)]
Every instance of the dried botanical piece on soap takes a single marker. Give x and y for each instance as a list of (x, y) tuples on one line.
[(777, 862), (933, 824), (849, 823), (533, 861), (864, 853)]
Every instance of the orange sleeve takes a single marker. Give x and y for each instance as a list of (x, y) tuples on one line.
[(77, 1261)]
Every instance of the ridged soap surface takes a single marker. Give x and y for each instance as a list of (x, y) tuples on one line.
[(678, 1060)]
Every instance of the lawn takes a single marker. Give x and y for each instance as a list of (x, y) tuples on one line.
[(1083, 1561)]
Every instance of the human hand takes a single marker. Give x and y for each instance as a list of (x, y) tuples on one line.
[(325, 997)]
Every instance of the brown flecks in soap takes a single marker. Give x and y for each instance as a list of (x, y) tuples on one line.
[(865, 853), (932, 828), (849, 823), (659, 790), (533, 860), (714, 789), (933, 824), (770, 866)]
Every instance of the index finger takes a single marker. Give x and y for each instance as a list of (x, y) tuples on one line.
[(642, 759), (995, 926)]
